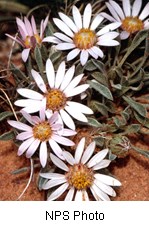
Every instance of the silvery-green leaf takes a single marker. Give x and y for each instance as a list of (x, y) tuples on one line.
[(93, 122), (7, 136)]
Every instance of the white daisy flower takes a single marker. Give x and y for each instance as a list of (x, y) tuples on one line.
[(129, 17), (28, 35), (80, 34), (80, 177), (41, 132), (57, 95)]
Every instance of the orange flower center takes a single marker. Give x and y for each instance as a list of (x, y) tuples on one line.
[(56, 100), (31, 41), (132, 24), (42, 131), (85, 39), (80, 176)]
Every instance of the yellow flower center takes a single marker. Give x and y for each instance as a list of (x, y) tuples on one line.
[(56, 100), (31, 41), (85, 39), (132, 24), (80, 176), (42, 131)]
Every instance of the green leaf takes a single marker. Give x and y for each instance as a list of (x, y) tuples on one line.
[(134, 128), (143, 152), (93, 122), (119, 121), (100, 141), (143, 120), (101, 78), (90, 66), (55, 56), (4, 115), (138, 107), (38, 58), (7, 136), (97, 106), (103, 90), (17, 73), (99, 65)]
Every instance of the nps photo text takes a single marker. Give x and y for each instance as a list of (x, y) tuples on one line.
[(74, 215)]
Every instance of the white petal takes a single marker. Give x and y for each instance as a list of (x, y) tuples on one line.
[(77, 17), (70, 194), (102, 164), (145, 12), (118, 9), (96, 22), (100, 193), (85, 196), (50, 73), (60, 75), (108, 36), (67, 119), (105, 188), (63, 27), (109, 43), (107, 16), (74, 83), (52, 175), (25, 54), (65, 46), (62, 140), (72, 54), (43, 154), (91, 52), (33, 109), (30, 94), (97, 158), (56, 148), (113, 12), (39, 81), (25, 145), (19, 125), (53, 183), (78, 196), (51, 39), (58, 192), (80, 107), (146, 24), (26, 102), (53, 117), (136, 7), (97, 51), (108, 28), (78, 116), (69, 158), (127, 7), (84, 57), (88, 152), (67, 78), (79, 150), (24, 135), (107, 179), (95, 195), (59, 163), (28, 117), (68, 132), (79, 89), (32, 148), (63, 37), (124, 35), (68, 22), (87, 16)]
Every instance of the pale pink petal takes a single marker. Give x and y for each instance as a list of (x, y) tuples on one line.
[(67, 119), (62, 140), (58, 192), (29, 93), (33, 25), (136, 7), (63, 27), (19, 125), (97, 51), (46, 21), (127, 7), (28, 117), (21, 24), (63, 37), (60, 74), (72, 54), (59, 163), (52, 175), (84, 57), (25, 54), (145, 12), (24, 135), (56, 148), (79, 150), (77, 17), (14, 39), (96, 22), (32, 148), (43, 154), (69, 158), (146, 24), (68, 132), (87, 16), (65, 46), (113, 12), (67, 20), (107, 16), (108, 36), (39, 81), (53, 118), (88, 152), (33, 109), (118, 9), (50, 73), (41, 29), (124, 35), (25, 145), (42, 110), (28, 26), (67, 78), (91, 52), (51, 39)]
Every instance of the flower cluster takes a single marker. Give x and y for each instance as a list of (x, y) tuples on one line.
[(54, 106)]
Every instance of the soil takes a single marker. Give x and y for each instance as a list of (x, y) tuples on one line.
[(132, 171)]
